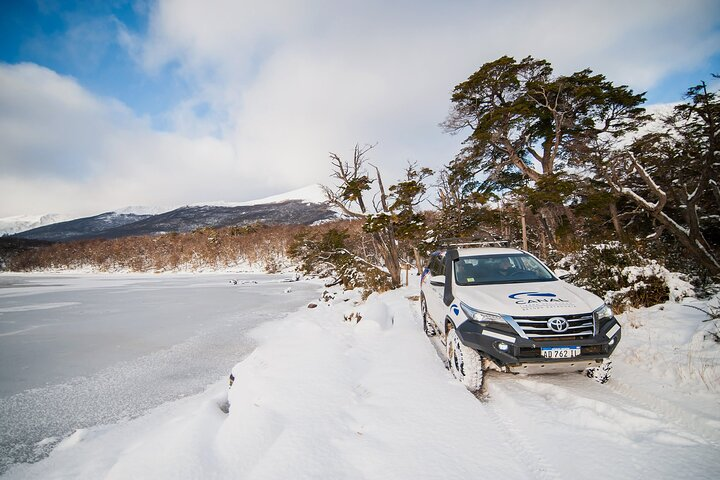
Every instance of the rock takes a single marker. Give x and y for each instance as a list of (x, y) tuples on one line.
[(353, 317)]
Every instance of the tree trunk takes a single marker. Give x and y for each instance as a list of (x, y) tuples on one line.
[(524, 226), (418, 260), (694, 245), (389, 254), (616, 221), (542, 218)]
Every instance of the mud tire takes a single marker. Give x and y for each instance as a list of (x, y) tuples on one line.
[(465, 363)]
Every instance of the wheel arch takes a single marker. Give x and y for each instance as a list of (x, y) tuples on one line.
[(449, 324)]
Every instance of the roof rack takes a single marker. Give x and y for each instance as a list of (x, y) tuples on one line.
[(468, 242)]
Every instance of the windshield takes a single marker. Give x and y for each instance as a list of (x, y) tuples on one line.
[(513, 268)]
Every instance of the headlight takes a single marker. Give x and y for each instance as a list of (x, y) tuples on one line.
[(602, 313), (482, 317)]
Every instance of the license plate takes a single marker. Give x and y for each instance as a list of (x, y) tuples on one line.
[(560, 352)]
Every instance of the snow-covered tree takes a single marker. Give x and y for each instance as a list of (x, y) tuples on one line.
[(674, 175)]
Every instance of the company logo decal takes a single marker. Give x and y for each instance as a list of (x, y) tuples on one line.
[(455, 309), (538, 299), (515, 296)]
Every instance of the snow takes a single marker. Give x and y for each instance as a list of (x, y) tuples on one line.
[(143, 210), (81, 350), (678, 287), (322, 397)]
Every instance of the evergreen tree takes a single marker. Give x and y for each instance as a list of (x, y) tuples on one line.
[(528, 126)]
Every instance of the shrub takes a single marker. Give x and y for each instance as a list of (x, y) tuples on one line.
[(624, 277)]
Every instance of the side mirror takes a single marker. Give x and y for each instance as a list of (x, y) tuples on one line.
[(437, 281), (564, 275)]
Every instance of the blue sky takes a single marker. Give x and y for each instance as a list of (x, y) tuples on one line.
[(105, 104), (81, 39)]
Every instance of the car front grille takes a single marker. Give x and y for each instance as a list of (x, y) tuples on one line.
[(580, 327)]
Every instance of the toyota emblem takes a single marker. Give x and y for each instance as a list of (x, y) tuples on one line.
[(558, 324)]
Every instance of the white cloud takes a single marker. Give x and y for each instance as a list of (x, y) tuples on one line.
[(280, 84), (299, 78), (65, 150)]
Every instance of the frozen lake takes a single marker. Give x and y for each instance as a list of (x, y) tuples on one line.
[(83, 350)]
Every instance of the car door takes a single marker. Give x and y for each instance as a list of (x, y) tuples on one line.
[(434, 293)]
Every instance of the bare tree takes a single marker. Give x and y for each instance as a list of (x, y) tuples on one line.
[(389, 214), (348, 196)]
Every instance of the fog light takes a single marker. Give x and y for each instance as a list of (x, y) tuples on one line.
[(503, 347), (611, 342)]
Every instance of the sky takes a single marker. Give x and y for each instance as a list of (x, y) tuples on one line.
[(108, 104)]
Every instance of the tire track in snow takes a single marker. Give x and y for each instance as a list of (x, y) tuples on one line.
[(608, 416), (511, 436), (532, 459), (599, 413), (672, 413)]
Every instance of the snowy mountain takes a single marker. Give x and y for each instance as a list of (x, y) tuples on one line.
[(303, 206), (21, 223), (310, 194), (144, 210), (81, 228)]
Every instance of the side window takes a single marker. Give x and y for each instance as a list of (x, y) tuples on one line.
[(437, 265)]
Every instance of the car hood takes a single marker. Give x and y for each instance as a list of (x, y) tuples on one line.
[(529, 299)]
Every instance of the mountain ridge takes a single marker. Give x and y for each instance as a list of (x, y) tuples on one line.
[(275, 210)]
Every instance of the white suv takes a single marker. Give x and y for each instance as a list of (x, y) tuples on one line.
[(502, 308)]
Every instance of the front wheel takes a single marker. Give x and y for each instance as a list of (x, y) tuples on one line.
[(428, 326), (600, 374), (465, 363)]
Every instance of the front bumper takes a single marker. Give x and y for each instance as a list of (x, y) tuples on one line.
[(522, 355)]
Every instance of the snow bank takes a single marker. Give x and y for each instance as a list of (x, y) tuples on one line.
[(678, 287), (674, 343), (319, 398), (323, 398)]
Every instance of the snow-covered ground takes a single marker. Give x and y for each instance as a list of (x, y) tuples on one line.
[(81, 350), (321, 397)]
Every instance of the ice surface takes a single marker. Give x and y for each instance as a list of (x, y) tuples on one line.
[(78, 351)]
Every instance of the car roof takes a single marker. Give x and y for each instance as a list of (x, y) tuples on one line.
[(468, 252)]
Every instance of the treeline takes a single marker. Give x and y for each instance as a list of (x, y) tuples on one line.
[(257, 246)]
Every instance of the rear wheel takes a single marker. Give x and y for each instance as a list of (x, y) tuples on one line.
[(465, 363), (428, 325)]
